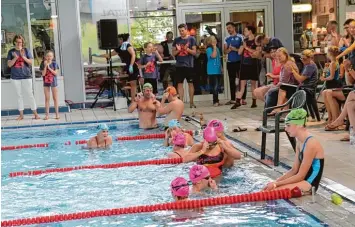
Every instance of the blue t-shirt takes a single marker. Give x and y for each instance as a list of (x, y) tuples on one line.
[(234, 41), (213, 64), (311, 72), (20, 70), (151, 71), (183, 58), (49, 79)]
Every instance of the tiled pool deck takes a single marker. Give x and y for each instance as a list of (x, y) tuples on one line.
[(339, 172)]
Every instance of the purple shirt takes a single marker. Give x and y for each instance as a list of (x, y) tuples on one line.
[(286, 75)]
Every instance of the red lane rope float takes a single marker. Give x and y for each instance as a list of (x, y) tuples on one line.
[(104, 166), (16, 147), (148, 136), (189, 204)]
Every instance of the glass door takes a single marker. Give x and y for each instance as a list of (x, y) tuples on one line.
[(201, 24)]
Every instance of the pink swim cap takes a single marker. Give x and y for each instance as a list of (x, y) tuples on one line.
[(180, 187), (179, 139), (216, 124), (198, 172), (209, 134)]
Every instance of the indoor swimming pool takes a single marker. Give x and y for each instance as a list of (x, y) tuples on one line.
[(86, 190)]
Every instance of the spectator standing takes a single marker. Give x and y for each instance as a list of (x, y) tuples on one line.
[(19, 59), (184, 50)]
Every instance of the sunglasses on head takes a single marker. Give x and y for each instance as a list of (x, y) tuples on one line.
[(177, 187), (104, 130), (215, 124)]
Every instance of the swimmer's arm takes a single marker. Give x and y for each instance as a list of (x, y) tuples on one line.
[(232, 151), (164, 109), (190, 140), (91, 144), (308, 156), (132, 107), (347, 51), (194, 153), (293, 170)]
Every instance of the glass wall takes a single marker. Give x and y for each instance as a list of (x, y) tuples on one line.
[(42, 24)]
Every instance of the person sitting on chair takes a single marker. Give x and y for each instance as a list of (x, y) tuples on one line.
[(146, 108)]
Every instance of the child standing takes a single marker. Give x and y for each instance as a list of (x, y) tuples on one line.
[(148, 64), (49, 70)]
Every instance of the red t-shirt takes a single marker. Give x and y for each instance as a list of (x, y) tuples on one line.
[(276, 68)]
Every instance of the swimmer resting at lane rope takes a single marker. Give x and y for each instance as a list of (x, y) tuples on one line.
[(232, 152), (308, 165), (173, 129), (101, 140), (209, 153), (201, 179), (179, 148), (145, 104)]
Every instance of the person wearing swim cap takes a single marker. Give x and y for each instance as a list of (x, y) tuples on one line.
[(307, 168), (201, 179), (208, 153), (174, 127), (179, 146), (102, 139), (231, 152), (180, 189), (174, 109), (144, 103)]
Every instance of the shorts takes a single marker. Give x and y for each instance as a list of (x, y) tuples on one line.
[(132, 76), (331, 84), (183, 73), (154, 83), (290, 90), (249, 72), (53, 84)]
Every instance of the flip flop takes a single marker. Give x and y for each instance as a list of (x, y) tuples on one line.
[(239, 129), (345, 139), (329, 128)]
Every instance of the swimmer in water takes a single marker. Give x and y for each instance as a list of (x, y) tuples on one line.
[(232, 152), (102, 139), (179, 149), (180, 189), (209, 153), (308, 166), (174, 127), (144, 103), (201, 179)]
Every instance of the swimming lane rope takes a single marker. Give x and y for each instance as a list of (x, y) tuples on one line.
[(189, 204), (165, 161), (78, 142)]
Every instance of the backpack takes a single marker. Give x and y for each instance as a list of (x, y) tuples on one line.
[(298, 62)]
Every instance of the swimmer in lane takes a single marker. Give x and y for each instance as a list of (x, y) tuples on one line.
[(180, 189), (308, 165), (174, 109), (201, 179), (146, 108), (232, 152), (173, 128), (102, 139), (208, 153), (179, 149)]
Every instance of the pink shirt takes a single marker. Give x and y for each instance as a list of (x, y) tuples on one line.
[(276, 68)]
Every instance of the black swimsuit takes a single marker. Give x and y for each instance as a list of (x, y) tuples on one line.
[(315, 172)]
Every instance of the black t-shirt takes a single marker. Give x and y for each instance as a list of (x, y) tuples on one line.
[(126, 56), (274, 43)]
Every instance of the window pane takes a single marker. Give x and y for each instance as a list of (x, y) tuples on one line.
[(43, 23), (94, 10), (13, 21), (151, 26)]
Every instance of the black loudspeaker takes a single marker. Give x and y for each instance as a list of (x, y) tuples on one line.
[(107, 34)]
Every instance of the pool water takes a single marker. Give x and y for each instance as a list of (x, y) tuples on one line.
[(86, 190)]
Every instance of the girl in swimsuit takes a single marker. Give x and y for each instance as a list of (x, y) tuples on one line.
[(308, 166), (208, 153), (179, 150), (231, 152), (174, 128), (102, 139), (201, 179)]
